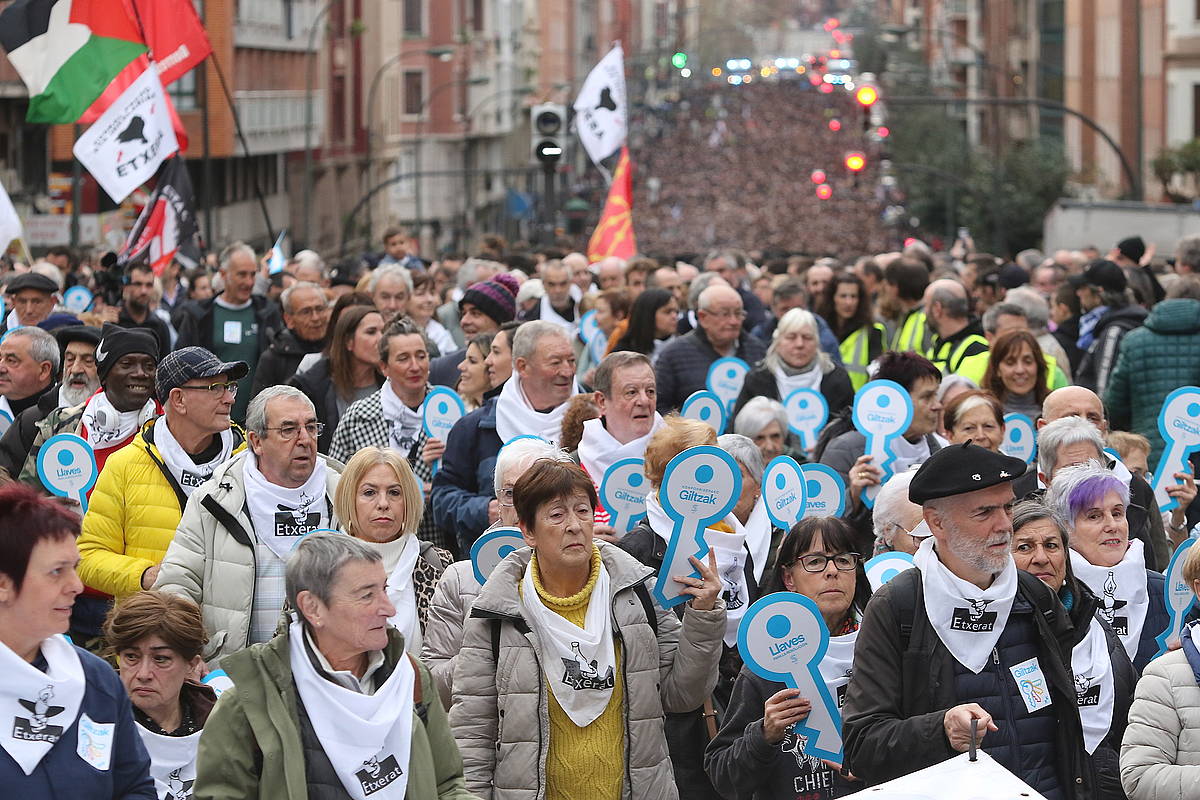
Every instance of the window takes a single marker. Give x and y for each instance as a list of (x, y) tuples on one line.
[(477, 15), (414, 92), (337, 107), (412, 17), (183, 91)]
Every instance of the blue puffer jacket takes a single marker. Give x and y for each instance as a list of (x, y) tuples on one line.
[(464, 486), (1157, 620), (1025, 743), (64, 775)]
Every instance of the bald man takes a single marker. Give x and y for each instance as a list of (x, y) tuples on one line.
[(682, 366), (959, 335), (1145, 521)]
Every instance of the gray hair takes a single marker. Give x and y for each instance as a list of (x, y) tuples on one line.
[(42, 346), (991, 317), (1061, 433), (470, 268), (1028, 511), (310, 258), (1037, 310), (285, 299), (1187, 252), (313, 566), (524, 341), (390, 270), (234, 249), (758, 413), (955, 305), (602, 380), (523, 454), (795, 320), (890, 505), (698, 285), (256, 413), (1030, 259), (951, 381), (1070, 485), (745, 452)]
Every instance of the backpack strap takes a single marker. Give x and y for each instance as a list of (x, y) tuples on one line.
[(418, 691), (648, 605), (496, 623), (904, 607)]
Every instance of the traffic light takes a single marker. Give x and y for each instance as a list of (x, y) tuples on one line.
[(855, 161), (818, 176), (824, 191), (866, 95), (835, 124), (679, 60), (548, 124)]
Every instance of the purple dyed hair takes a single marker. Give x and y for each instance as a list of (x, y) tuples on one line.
[(1089, 492)]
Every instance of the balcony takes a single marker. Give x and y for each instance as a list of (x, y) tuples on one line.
[(274, 24), (273, 121)]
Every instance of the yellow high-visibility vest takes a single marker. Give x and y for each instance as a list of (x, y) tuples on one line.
[(856, 353), (911, 335)]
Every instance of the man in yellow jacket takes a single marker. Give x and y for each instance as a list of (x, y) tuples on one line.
[(140, 494)]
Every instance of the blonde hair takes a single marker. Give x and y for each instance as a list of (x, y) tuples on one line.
[(1191, 566), (1124, 442), (357, 467), (676, 435)]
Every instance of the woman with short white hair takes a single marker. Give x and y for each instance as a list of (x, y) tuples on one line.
[(765, 422), (795, 361), (895, 517)]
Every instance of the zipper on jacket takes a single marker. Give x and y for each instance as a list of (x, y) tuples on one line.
[(1013, 745)]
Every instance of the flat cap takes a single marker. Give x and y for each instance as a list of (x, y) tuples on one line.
[(960, 469), (31, 280)]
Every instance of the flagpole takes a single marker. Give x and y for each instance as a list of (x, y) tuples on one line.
[(25, 250), (76, 190)]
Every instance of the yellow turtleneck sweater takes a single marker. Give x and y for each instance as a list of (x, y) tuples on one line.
[(584, 762)]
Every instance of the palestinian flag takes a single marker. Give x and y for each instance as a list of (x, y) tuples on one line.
[(68, 51)]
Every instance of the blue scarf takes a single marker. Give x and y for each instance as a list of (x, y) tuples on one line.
[(1087, 327)]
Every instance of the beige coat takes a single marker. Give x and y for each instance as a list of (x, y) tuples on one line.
[(448, 610), (211, 559), (1160, 756), (500, 714)]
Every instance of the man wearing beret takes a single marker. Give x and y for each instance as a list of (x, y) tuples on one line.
[(31, 296), (966, 637)]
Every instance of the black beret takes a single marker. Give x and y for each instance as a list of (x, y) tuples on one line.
[(31, 280), (77, 333), (960, 469)]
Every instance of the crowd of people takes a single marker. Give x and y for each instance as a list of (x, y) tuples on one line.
[(273, 586)]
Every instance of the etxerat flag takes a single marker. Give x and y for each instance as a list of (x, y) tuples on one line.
[(68, 51), (600, 111), (166, 228), (614, 235), (123, 148), (10, 223)]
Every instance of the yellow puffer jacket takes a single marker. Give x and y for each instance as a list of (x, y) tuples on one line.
[(132, 515)]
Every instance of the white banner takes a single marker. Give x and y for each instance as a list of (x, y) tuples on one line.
[(600, 110), (125, 146)]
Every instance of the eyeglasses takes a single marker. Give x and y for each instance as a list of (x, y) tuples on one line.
[(817, 562), (310, 311), (505, 497), (216, 389), (728, 313), (289, 432)]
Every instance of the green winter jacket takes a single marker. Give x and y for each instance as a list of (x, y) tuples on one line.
[(1155, 360), (251, 745)]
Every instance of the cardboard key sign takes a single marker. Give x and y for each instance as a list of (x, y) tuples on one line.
[(824, 491), (1179, 425), (77, 299), (493, 547), (784, 491), (593, 337), (66, 466), (700, 486), (623, 493), (807, 412), (882, 411), (783, 638), (885, 566), (1020, 438), (1178, 595), (441, 410), (706, 407), (725, 379)]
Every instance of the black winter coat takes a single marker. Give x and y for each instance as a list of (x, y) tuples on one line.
[(898, 695), (760, 382), (281, 360), (194, 322), (17, 441), (686, 733), (682, 365)]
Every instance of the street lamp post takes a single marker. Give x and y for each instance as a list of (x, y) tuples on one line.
[(442, 53)]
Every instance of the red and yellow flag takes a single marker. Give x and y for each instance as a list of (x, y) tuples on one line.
[(614, 235)]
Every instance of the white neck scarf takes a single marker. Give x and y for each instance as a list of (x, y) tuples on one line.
[(172, 763), (37, 707), (809, 379), (368, 738), (548, 314), (104, 427), (580, 663), (186, 472), (967, 619), (836, 666), (599, 450), (1121, 591), (403, 594), (908, 454), (515, 417), (404, 423), (282, 516), (1094, 687), (758, 536)]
